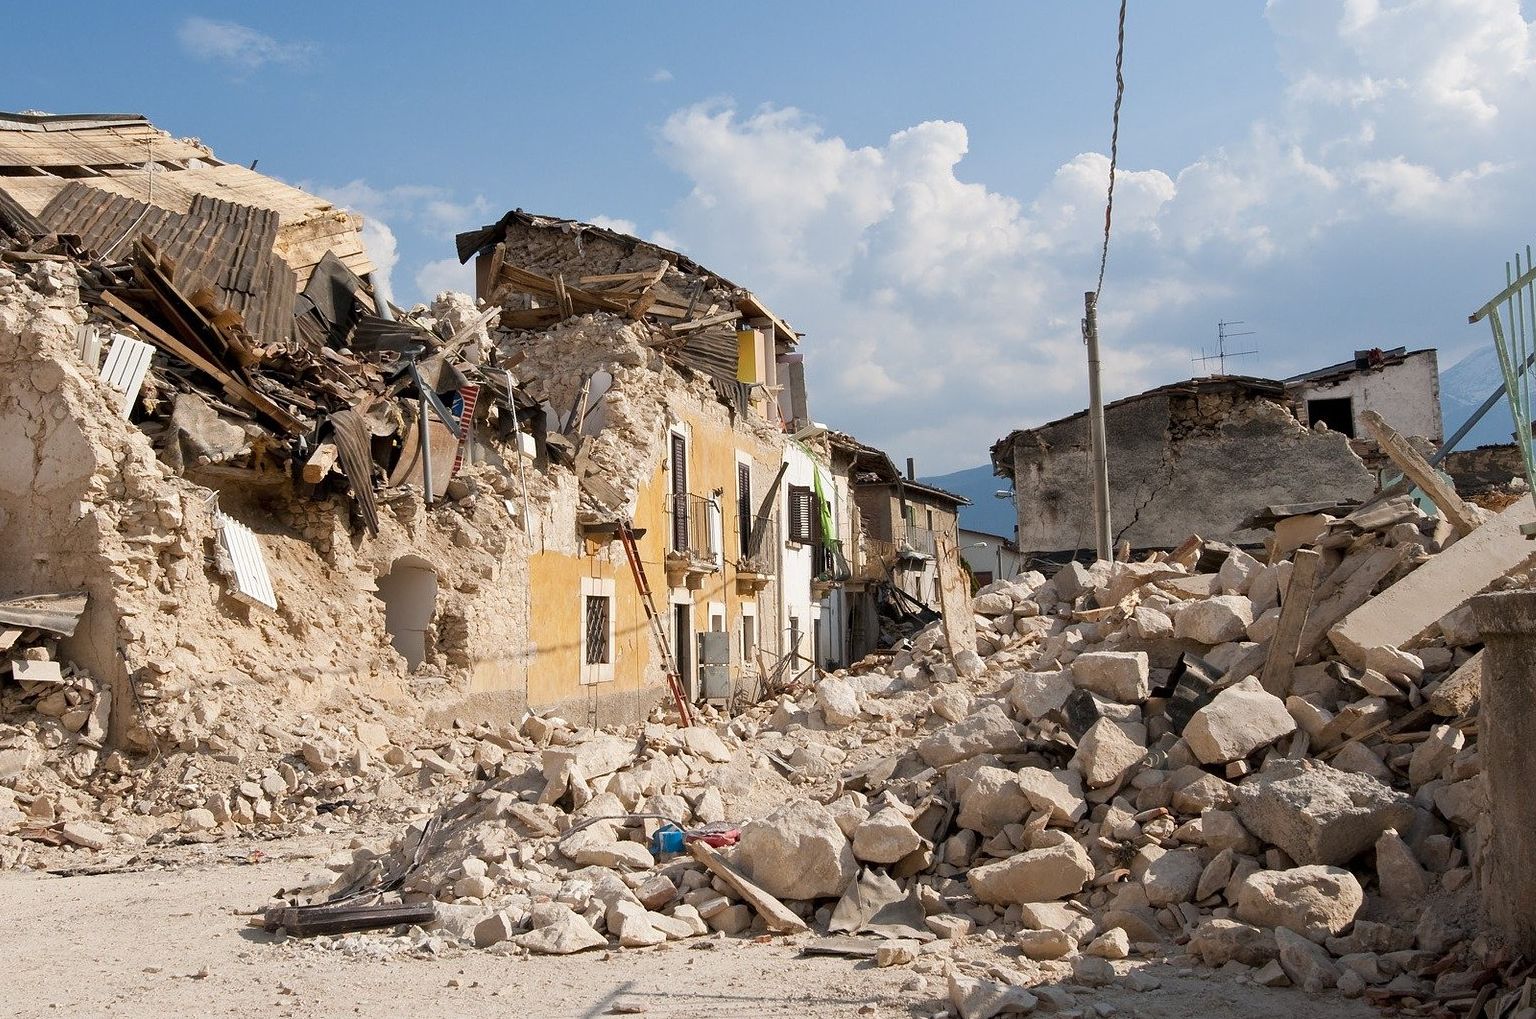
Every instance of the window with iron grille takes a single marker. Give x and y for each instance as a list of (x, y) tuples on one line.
[(744, 507), (802, 514), (599, 651)]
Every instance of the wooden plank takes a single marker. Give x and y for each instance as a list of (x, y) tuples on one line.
[(320, 462), (693, 325), (1334, 602), (954, 598), (233, 386), (1415, 467), (1280, 661), (776, 916)]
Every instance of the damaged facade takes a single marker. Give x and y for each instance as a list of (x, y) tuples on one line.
[(1196, 457), (258, 470)]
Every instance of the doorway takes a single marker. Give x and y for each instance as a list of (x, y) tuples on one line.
[(682, 646), (409, 594)]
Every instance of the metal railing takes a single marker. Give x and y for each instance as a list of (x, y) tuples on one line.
[(919, 539), (690, 526)]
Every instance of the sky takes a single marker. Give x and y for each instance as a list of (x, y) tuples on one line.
[(918, 189)]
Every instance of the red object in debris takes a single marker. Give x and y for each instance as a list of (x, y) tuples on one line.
[(717, 839)]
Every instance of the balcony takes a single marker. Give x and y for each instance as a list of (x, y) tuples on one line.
[(693, 532), (917, 543)]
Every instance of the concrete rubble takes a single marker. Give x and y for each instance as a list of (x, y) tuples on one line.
[(1084, 831)]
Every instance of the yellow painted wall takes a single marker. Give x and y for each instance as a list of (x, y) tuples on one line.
[(556, 617)]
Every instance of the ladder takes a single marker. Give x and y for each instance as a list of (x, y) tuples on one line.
[(668, 663)]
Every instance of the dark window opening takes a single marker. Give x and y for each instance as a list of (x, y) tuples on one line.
[(1338, 414), (682, 645), (983, 577)]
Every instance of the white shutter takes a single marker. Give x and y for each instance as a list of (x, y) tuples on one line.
[(127, 362), (716, 534), (252, 582)]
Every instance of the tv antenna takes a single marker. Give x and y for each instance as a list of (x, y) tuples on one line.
[(1223, 334)]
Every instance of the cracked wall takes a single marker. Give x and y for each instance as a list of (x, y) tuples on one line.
[(1179, 464)]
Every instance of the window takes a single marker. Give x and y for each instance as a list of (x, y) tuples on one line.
[(983, 577), (909, 513), (802, 514), (599, 651), (1338, 414), (744, 507), (679, 492), (930, 520), (597, 630)]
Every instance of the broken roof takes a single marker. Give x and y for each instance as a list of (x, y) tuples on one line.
[(125, 155), (1002, 462), (475, 242), (869, 460), (1364, 360)]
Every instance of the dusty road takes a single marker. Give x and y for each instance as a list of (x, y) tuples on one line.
[(169, 942)]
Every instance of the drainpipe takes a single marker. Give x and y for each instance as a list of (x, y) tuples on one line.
[(380, 286)]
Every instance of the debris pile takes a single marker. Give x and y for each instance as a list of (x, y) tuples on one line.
[(1166, 759)]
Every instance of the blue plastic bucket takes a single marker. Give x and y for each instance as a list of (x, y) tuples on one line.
[(668, 839)]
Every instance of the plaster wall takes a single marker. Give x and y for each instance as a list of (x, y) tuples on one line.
[(1178, 465), (1407, 395)]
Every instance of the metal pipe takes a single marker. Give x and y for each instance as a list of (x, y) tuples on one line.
[(426, 449), (380, 285), (1461, 433), (1096, 432)]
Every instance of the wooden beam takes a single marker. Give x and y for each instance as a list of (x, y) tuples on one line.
[(320, 462), (776, 916), (1342, 594), (1418, 470), (1280, 660), (233, 386)]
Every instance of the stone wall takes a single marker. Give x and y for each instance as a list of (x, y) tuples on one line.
[(1178, 465)]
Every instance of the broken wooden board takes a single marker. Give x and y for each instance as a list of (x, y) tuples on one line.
[(1345, 590), (776, 916), (1444, 583), (954, 598), (1280, 661), (342, 918), (1462, 517)]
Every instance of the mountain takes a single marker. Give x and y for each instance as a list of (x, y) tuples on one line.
[(978, 484), (1465, 385)]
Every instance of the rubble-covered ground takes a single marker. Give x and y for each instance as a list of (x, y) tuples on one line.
[(1072, 827)]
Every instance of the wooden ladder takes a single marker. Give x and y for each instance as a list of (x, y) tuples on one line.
[(668, 663)]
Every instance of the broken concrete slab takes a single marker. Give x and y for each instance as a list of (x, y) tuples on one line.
[(1440, 586), (1318, 814)]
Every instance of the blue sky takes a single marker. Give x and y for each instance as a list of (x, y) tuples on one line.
[(915, 188)]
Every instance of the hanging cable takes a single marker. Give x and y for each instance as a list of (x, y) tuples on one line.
[(1114, 147)]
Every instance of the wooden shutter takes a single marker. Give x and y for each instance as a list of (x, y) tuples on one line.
[(744, 507), (679, 493)]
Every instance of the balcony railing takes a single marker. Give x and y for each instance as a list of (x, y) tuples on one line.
[(692, 530), (918, 539)]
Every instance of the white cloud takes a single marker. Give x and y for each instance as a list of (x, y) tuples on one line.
[(661, 74), (445, 274), (623, 226), (432, 215), (931, 300), (239, 46)]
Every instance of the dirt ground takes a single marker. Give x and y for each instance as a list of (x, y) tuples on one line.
[(166, 937)]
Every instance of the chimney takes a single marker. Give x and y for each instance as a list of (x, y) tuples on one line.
[(911, 469)]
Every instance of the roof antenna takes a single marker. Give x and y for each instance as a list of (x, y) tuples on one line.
[(1223, 334)]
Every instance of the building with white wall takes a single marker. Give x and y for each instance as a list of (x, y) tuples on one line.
[(1401, 385), (989, 556)]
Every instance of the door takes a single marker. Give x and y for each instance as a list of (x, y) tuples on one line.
[(682, 646)]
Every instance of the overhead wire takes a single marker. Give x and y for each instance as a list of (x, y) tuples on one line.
[(1114, 148)]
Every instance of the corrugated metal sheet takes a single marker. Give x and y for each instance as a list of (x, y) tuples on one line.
[(57, 613), (252, 582), (216, 244)]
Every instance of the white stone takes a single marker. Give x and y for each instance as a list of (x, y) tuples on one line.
[(1216, 620), (1118, 675), (885, 837), (797, 852), (1241, 719), (1314, 901), (1105, 754)]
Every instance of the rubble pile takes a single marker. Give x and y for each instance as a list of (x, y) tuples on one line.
[(1117, 784)]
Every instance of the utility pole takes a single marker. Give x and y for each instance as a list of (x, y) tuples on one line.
[(1099, 447)]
